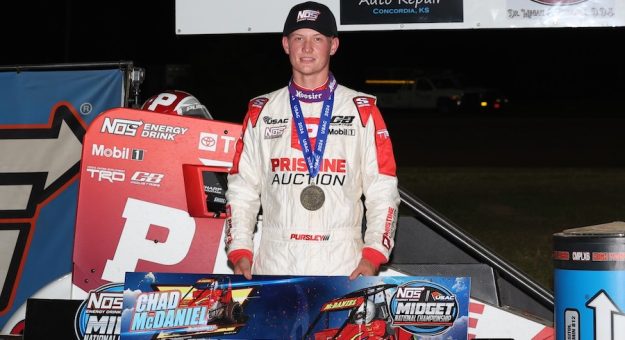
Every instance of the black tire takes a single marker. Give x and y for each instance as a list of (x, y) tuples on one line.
[(234, 312)]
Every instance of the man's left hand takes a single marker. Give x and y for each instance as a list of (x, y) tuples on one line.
[(364, 268)]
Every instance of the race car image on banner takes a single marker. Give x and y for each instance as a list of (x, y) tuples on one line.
[(200, 306)]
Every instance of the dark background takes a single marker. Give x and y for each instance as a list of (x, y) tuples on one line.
[(553, 160), (549, 66)]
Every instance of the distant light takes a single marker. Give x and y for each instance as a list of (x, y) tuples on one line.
[(496, 105), (388, 81), (483, 104)]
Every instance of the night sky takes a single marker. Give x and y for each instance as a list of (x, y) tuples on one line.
[(224, 71)]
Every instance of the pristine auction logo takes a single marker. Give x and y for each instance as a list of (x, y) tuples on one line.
[(99, 316), (424, 308)]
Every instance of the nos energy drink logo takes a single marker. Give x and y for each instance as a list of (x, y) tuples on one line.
[(424, 308), (99, 316)]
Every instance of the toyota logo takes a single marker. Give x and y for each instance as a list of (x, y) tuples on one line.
[(208, 141)]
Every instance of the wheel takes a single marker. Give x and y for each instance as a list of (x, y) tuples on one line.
[(234, 312)]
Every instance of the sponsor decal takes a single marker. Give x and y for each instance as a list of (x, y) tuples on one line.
[(309, 96), (162, 132), (342, 120), (389, 227), (295, 171), (300, 179), (310, 237), (106, 174), (400, 11), (259, 102), (299, 164), (100, 150), (269, 120), (272, 132), (147, 178), (562, 12), (119, 126), (383, 133), (214, 190), (228, 227), (99, 316), (362, 102), (214, 142), (307, 14), (343, 132), (424, 308), (129, 127)]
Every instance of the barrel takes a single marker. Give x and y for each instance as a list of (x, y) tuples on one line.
[(589, 282)]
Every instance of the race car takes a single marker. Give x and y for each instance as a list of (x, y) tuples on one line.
[(366, 316), (217, 296)]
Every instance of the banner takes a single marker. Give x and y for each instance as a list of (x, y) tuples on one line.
[(253, 16), (200, 306), (387, 12), (43, 118)]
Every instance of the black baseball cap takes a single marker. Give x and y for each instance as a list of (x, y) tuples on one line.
[(311, 15)]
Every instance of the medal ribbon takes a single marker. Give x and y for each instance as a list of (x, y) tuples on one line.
[(313, 157), (311, 96)]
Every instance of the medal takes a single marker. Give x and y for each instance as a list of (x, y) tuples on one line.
[(312, 197)]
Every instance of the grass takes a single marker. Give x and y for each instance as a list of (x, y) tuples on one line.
[(516, 211)]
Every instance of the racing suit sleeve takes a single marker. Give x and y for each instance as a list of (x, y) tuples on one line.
[(243, 194), (379, 182)]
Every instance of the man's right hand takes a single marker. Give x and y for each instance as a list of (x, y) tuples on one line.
[(243, 267)]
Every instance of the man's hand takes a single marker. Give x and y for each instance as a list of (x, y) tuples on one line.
[(244, 267), (364, 268)]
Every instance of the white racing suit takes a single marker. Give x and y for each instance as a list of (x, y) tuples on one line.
[(269, 170)]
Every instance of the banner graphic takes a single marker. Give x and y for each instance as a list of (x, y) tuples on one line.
[(200, 306), (43, 118)]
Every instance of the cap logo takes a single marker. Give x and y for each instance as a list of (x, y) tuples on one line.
[(307, 14)]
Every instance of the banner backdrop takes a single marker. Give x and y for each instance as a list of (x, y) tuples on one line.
[(201, 306), (43, 118)]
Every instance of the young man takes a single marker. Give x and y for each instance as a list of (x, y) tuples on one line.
[(308, 153)]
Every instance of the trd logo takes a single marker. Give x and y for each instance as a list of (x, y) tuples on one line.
[(117, 126), (109, 175), (346, 120)]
